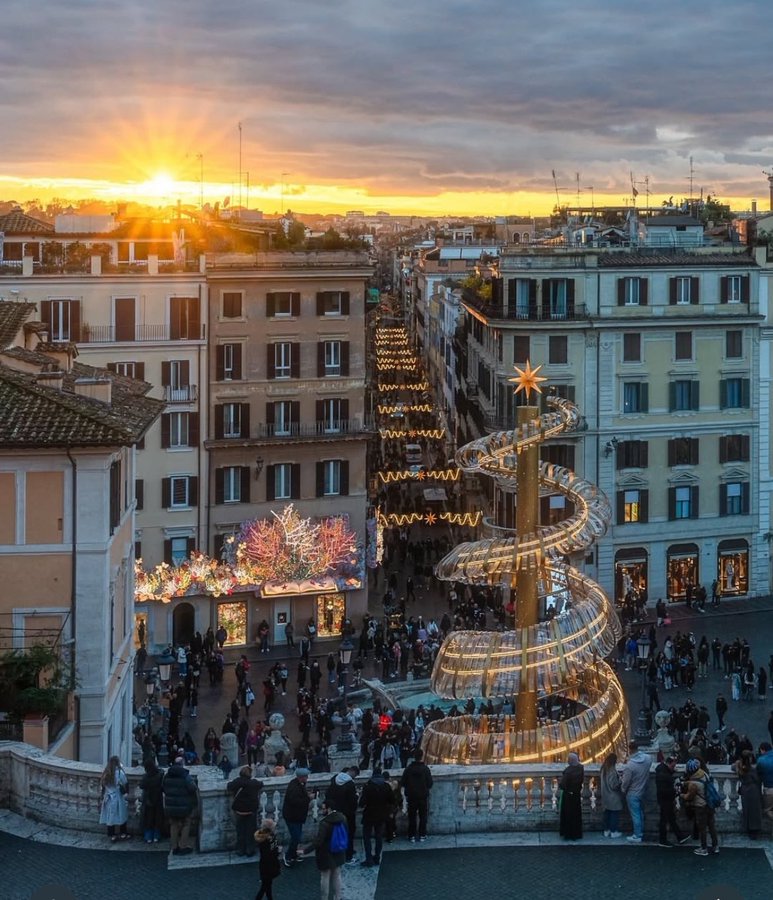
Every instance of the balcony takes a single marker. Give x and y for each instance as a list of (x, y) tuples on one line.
[(577, 312), (186, 393), (295, 430), (109, 334)]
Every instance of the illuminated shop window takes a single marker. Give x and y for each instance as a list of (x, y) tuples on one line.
[(331, 612), (233, 617)]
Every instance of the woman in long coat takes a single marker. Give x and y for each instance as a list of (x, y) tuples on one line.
[(570, 820), (611, 796), (114, 810), (751, 794)]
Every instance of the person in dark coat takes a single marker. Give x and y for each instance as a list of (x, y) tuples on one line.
[(295, 811), (750, 790), (376, 803), (570, 820), (152, 802), (329, 863), (179, 802), (270, 865), (342, 795), (666, 792), (246, 793), (417, 783)]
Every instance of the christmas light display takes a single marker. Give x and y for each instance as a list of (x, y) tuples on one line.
[(388, 410), (434, 433), (470, 519), (545, 659), (385, 387), (422, 475)]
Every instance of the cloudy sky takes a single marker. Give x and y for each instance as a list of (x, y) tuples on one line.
[(445, 105)]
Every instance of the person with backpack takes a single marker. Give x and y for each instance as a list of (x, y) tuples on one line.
[(702, 797), (417, 783), (342, 795), (330, 850)]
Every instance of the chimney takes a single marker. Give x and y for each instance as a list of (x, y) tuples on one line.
[(152, 264), (96, 265), (53, 379), (62, 354), (96, 388)]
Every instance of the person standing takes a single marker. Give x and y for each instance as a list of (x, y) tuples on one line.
[(246, 793), (179, 802), (270, 866), (721, 708), (376, 804), (295, 811), (342, 795), (330, 856), (114, 810), (666, 792), (290, 634), (417, 784), (636, 773), (765, 771), (611, 796), (221, 635), (152, 803), (751, 794), (570, 804), (694, 789)]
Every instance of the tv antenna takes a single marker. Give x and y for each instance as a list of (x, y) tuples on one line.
[(770, 182)]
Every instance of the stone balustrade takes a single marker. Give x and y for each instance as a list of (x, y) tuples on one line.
[(66, 794)]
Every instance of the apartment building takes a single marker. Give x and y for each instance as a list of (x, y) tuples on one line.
[(661, 349), (67, 472)]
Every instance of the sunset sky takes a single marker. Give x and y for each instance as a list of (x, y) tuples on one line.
[(446, 106)]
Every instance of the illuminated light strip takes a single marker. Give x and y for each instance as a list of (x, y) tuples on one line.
[(435, 433), (430, 518), (404, 407), (417, 386), (432, 474)]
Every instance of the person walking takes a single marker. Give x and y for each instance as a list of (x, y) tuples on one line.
[(570, 803), (179, 802), (152, 803), (721, 708), (666, 793), (694, 789), (114, 810), (295, 811), (636, 773), (417, 784), (330, 851), (376, 804), (270, 866), (611, 797), (246, 793)]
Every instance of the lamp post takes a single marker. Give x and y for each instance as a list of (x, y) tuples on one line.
[(345, 740), (165, 664), (643, 731)]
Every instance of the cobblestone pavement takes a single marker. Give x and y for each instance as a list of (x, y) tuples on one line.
[(34, 871)]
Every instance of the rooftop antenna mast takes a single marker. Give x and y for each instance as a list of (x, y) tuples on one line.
[(555, 185), (692, 177), (240, 166), (770, 183), (577, 179)]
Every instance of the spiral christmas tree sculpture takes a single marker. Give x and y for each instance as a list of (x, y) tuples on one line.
[(539, 663)]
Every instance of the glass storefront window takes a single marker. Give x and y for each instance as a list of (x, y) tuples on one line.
[(682, 570), (233, 617), (331, 612), (733, 568), (630, 576)]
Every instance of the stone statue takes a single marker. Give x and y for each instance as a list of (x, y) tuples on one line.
[(276, 742), (664, 740)]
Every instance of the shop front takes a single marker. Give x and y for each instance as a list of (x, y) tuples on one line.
[(631, 565), (733, 567), (682, 569)]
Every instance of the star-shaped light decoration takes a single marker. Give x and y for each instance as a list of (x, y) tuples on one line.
[(430, 518), (527, 380)]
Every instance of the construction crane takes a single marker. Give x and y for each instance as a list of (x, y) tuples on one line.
[(555, 185), (770, 183)]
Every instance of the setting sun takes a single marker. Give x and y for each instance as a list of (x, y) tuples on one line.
[(160, 185)]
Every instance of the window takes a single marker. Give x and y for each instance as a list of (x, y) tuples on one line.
[(558, 454), (232, 304), (175, 377), (177, 550), (332, 477), (632, 347), (139, 493), (521, 348), (635, 397), (734, 498), (283, 481), (128, 369), (521, 297), (733, 344), (683, 290), (683, 502), (232, 484), (179, 492), (734, 448), (734, 393), (632, 454), (683, 345), (229, 362), (683, 451), (557, 298), (332, 415), (734, 289), (283, 352), (332, 358), (632, 506), (232, 420), (557, 349), (333, 303), (179, 430), (283, 304), (115, 495), (123, 316), (684, 395), (184, 319), (62, 319), (283, 417), (632, 291)]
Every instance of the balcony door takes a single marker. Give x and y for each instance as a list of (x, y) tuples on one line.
[(124, 319)]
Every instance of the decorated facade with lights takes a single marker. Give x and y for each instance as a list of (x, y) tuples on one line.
[(564, 624)]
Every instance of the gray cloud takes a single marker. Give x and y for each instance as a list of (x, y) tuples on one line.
[(400, 97)]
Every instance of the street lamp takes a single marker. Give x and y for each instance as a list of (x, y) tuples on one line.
[(345, 740), (150, 686), (165, 664), (643, 731)]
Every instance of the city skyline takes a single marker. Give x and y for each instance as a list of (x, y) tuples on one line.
[(453, 109)]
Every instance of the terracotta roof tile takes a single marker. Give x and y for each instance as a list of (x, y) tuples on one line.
[(661, 259), (17, 222), (13, 315)]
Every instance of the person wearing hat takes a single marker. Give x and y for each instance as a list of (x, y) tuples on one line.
[(295, 811), (246, 793), (694, 790), (666, 791), (270, 855), (179, 791)]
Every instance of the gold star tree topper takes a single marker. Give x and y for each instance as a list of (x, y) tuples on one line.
[(527, 380)]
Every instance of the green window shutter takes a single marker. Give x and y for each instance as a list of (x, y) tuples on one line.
[(644, 506), (695, 395), (644, 396), (722, 393), (694, 502), (671, 504), (695, 290)]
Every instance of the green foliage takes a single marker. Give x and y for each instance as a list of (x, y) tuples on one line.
[(33, 681)]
